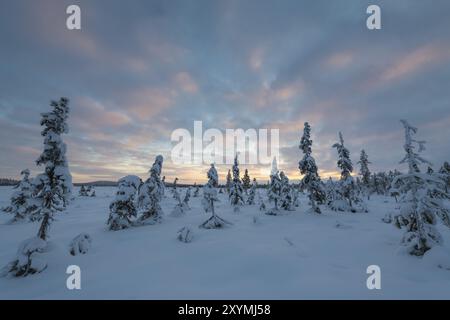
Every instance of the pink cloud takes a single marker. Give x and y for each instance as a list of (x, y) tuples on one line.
[(148, 102), (89, 113), (185, 82), (415, 61), (339, 60)]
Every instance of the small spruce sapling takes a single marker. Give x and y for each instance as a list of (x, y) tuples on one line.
[(209, 197), (123, 208)]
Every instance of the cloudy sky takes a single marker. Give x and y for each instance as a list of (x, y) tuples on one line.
[(140, 69)]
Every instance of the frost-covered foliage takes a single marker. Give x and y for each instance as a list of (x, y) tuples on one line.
[(365, 172), (236, 190), (178, 210), (262, 204), (22, 203), (421, 199), (123, 208), (331, 191), (52, 189), (80, 244), (228, 183), (246, 182), (274, 190), (86, 191), (444, 172), (252, 193), (344, 163), (345, 197), (286, 201), (163, 181), (29, 259), (82, 192), (151, 194), (311, 180), (181, 206), (296, 195), (187, 196), (196, 190), (175, 193), (381, 182), (185, 235), (209, 197)]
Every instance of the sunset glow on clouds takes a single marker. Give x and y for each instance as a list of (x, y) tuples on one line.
[(139, 70)]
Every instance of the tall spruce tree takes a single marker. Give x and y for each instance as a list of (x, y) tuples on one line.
[(365, 172), (274, 189), (228, 183), (311, 180), (347, 197), (52, 189), (422, 197), (246, 181), (151, 194), (286, 194), (236, 189), (252, 193)]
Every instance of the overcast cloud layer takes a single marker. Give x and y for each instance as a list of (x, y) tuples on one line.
[(140, 69)]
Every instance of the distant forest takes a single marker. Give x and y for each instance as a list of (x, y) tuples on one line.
[(8, 182)]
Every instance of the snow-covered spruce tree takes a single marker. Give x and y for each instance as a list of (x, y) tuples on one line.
[(421, 200), (246, 181), (55, 190), (286, 201), (187, 196), (252, 193), (175, 193), (296, 194), (196, 190), (347, 197), (150, 195), (21, 200), (178, 209), (444, 171), (365, 172), (52, 189), (262, 204), (163, 181), (82, 192), (209, 197), (236, 190), (311, 180), (228, 183), (181, 206), (331, 192), (123, 208), (274, 189)]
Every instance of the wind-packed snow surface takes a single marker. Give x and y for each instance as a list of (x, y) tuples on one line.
[(295, 255)]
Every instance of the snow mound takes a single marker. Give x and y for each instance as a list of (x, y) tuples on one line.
[(80, 244)]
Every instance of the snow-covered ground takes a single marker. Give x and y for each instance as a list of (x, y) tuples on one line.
[(298, 255)]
